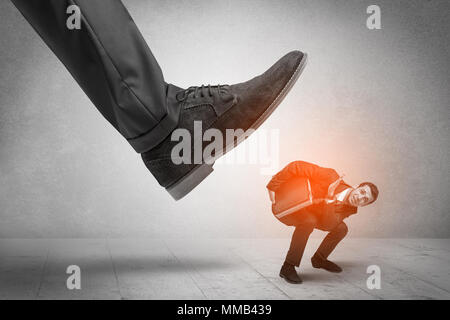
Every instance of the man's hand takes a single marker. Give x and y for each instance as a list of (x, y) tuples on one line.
[(272, 196)]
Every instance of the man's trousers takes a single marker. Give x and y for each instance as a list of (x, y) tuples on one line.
[(112, 63), (306, 224)]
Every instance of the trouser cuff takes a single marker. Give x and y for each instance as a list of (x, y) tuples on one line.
[(163, 129)]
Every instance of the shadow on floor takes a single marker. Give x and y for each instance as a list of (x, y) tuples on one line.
[(94, 266), (321, 275), (351, 264), (162, 264)]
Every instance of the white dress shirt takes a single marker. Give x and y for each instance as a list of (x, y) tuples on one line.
[(341, 196)]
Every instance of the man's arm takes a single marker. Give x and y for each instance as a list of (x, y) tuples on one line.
[(295, 169)]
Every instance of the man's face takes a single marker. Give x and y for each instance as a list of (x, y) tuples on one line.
[(360, 196)]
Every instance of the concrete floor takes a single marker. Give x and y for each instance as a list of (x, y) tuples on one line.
[(219, 269)]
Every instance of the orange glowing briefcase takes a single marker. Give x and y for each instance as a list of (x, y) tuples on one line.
[(293, 196)]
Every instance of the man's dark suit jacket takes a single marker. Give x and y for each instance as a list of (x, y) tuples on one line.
[(320, 179)]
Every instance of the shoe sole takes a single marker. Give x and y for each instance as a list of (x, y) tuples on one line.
[(193, 178), (290, 281), (319, 267)]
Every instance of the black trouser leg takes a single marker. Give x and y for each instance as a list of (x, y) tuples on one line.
[(299, 239), (112, 63), (332, 239)]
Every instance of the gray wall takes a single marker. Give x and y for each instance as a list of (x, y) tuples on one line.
[(371, 104)]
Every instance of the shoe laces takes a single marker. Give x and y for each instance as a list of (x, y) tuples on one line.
[(200, 91)]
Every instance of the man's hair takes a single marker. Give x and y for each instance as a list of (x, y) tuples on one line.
[(373, 190)]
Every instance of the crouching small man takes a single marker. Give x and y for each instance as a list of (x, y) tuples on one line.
[(332, 201)]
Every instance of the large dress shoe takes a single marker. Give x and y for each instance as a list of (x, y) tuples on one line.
[(320, 262), (289, 274), (238, 107)]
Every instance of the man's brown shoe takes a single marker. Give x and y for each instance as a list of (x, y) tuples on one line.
[(289, 274), (320, 262)]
